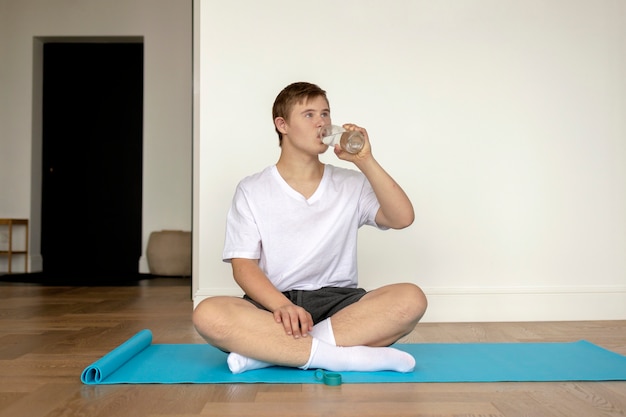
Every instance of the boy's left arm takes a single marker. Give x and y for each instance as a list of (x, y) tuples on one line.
[(396, 210)]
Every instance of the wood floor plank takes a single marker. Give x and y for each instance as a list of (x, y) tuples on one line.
[(348, 409), (41, 402), (49, 334), (600, 397), (8, 398)]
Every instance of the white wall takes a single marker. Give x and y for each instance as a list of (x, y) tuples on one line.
[(503, 121), (166, 28)]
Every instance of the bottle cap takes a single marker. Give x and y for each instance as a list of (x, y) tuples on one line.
[(328, 378)]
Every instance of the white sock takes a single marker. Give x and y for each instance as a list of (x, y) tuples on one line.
[(358, 358), (324, 332), (238, 363)]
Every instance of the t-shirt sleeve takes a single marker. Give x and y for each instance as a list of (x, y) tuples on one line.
[(242, 234), (368, 206)]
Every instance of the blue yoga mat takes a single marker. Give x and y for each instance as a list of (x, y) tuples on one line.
[(138, 361)]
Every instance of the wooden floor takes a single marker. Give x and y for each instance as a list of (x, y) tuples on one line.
[(49, 334)]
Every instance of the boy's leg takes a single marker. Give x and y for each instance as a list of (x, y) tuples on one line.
[(236, 325), (380, 317)]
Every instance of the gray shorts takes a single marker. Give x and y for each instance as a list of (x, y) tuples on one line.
[(322, 303)]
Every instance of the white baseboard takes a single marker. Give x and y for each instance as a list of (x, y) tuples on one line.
[(36, 263), (499, 304), (203, 293), (143, 265)]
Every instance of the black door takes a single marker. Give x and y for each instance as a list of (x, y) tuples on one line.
[(92, 159)]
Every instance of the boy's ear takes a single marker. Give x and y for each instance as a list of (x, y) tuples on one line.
[(281, 125)]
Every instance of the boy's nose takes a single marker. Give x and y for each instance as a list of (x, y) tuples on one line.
[(322, 122)]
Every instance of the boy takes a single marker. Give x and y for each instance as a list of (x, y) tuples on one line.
[(291, 239)]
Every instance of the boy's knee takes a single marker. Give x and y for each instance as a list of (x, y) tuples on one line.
[(209, 319), (413, 301)]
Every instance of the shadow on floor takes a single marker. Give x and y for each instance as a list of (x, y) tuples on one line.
[(90, 279)]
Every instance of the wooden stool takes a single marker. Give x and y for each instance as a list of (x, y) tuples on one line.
[(9, 253)]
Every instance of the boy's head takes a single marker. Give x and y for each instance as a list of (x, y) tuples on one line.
[(293, 94)]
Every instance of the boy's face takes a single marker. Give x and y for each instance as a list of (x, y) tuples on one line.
[(305, 119)]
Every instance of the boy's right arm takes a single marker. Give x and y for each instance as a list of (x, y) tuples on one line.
[(296, 320)]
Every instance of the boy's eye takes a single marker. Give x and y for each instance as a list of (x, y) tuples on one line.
[(308, 114), (325, 114)]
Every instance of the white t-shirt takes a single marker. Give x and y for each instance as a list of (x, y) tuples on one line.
[(301, 244)]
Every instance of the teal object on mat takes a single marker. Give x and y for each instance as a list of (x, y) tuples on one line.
[(138, 361)]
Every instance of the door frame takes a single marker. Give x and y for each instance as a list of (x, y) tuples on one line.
[(36, 260)]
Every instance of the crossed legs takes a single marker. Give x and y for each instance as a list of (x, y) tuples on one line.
[(379, 319)]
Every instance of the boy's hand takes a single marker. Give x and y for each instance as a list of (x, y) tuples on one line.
[(363, 153), (296, 320)]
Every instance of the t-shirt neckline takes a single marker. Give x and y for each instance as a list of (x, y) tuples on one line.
[(295, 194)]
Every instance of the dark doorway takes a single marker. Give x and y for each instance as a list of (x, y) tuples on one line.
[(92, 159)]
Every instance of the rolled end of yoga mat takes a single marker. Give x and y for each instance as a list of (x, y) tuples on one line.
[(112, 361), (91, 375)]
